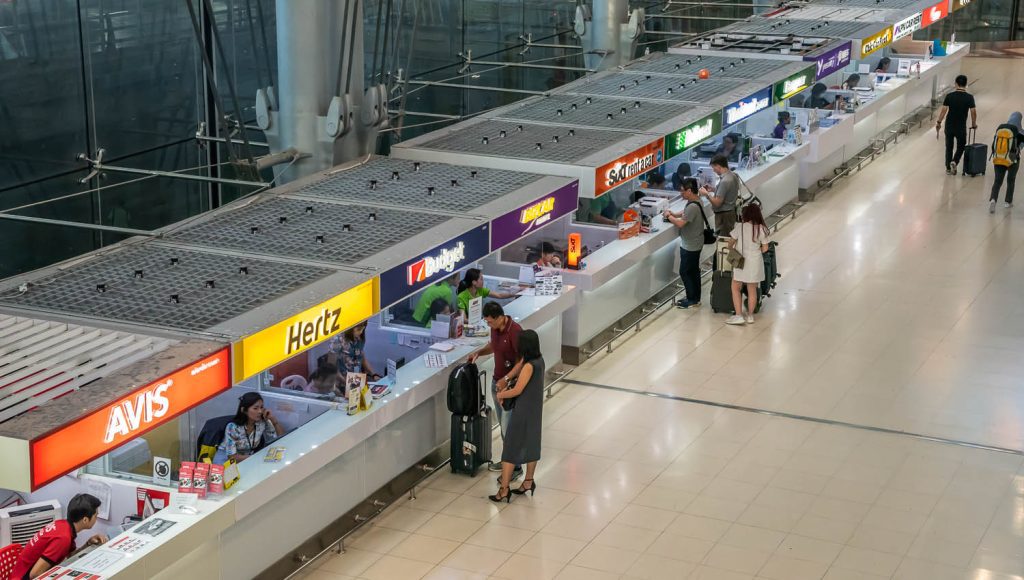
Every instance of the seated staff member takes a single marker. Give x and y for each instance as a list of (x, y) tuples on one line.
[(349, 349), (251, 428), (443, 290), (472, 286), (325, 380), (779, 132), (56, 542), (549, 257), (729, 146), (818, 100), (723, 199), (851, 82)]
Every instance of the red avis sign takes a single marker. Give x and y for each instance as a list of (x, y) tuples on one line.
[(75, 444), (934, 14)]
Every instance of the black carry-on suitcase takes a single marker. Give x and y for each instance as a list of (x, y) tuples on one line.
[(771, 270), (471, 420), (975, 155)]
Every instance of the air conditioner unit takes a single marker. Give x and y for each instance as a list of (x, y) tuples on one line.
[(19, 523)]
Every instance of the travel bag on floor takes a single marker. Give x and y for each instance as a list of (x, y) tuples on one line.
[(975, 155), (465, 393), (471, 442), (721, 291), (771, 270)]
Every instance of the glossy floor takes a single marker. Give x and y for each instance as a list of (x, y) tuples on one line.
[(901, 308)]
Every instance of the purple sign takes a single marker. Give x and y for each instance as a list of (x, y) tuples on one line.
[(534, 215), (832, 60)]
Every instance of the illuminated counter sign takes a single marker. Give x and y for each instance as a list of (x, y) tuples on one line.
[(287, 338), (100, 432), (935, 13), (534, 215), (748, 106), (611, 175), (792, 85), (906, 27), (875, 43), (831, 60), (434, 265), (693, 134), (961, 4)]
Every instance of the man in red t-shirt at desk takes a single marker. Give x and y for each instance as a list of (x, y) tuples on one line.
[(54, 543), (503, 345)]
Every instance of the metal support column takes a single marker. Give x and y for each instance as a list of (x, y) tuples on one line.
[(609, 32)]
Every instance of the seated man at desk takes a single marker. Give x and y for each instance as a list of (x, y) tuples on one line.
[(443, 290), (549, 257), (472, 286), (56, 542), (818, 100), (729, 146)]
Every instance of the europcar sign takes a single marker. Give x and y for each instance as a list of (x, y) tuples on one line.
[(906, 27)]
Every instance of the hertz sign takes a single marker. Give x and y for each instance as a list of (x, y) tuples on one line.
[(875, 43)]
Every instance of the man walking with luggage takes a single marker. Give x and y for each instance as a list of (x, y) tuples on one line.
[(503, 345), (690, 226), (955, 108), (723, 200)]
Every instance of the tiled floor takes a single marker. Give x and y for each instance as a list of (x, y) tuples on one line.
[(900, 308)]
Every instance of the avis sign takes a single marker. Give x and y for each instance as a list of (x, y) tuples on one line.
[(935, 13), (906, 27), (434, 265), (611, 175), (105, 429)]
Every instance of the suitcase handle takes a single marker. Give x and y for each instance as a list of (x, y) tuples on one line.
[(972, 135)]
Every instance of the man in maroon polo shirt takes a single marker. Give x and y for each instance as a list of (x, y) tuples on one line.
[(54, 543), (504, 338)]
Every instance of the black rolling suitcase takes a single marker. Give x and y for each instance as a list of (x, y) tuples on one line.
[(771, 270), (975, 155), (471, 442), (471, 420)]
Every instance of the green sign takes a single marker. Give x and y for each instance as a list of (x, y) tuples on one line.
[(693, 134), (792, 85)]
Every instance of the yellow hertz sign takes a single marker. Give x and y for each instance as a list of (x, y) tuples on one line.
[(537, 210), (876, 42), (289, 337)]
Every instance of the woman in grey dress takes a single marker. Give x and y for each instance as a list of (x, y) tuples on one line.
[(522, 437)]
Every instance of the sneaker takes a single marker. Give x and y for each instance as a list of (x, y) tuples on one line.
[(1007, 205), (516, 473), (952, 167), (992, 206), (494, 466), (684, 304), (736, 320), (749, 318)]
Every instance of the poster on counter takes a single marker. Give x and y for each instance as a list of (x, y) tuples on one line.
[(67, 574), (532, 216), (832, 60), (434, 265), (476, 307)]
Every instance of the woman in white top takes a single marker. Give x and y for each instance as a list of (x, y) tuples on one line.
[(750, 238)]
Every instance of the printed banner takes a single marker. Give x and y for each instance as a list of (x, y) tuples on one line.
[(534, 215)]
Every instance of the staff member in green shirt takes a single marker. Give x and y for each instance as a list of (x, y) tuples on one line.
[(472, 286), (443, 290)]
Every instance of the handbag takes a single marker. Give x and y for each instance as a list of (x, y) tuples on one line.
[(709, 232), (735, 257)]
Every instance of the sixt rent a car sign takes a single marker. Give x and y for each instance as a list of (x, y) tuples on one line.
[(876, 42), (906, 27), (935, 13), (434, 265), (613, 174)]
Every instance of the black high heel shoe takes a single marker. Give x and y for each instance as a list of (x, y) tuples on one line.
[(498, 498), (521, 491)]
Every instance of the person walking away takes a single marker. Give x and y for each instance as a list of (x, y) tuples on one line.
[(523, 439), (1006, 145), (956, 107), (751, 238), (690, 227), (723, 200), (504, 345)]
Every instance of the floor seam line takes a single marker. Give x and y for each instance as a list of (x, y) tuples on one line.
[(785, 415)]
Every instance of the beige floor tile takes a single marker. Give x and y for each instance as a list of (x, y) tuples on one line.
[(783, 568), (681, 548), (810, 549), (424, 549), (352, 563), (651, 567), (742, 560), (450, 527), (606, 558), (520, 566), (378, 539), (404, 519), (548, 547), (573, 572), (445, 573), (476, 559), (743, 536), (698, 527), (719, 509), (500, 537), (626, 537), (390, 567), (867, 561), (710, 573)]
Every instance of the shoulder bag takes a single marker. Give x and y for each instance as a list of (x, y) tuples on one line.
[(709, 232), (735, 258)]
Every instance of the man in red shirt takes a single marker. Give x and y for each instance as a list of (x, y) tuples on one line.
[(54, 543), (503, 344)]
